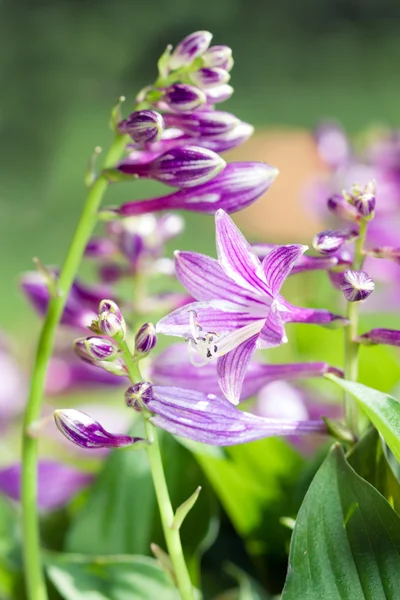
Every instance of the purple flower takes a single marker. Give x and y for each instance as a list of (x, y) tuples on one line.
[(239, 304), (390, 337), (363, 198), (183, 97), (185, 166), (385, 252), (100, 247), (333, 144), (57, 483), (189, 49), (85, 432), (238, 186), (304, 262), (213, 420), (143, 126), (92, 349), (145, 339), (13, 387), (329, 241), (210, 77), (172, 367), (218, 93), (82, 302), (67, 372), (356, 285), (340, 207), (202, 123), (218, 56)]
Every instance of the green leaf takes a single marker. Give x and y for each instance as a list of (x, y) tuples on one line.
[(109, 578), (346, 542), (118, 515), (368, 459), (382, 410)]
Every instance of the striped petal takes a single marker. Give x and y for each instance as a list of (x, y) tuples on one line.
[(273, 333), (232, 369), (278, 264)]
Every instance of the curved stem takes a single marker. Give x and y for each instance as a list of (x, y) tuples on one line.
[(171, 534), (35, 584), (351, 332)]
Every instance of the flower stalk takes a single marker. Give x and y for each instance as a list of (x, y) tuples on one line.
[(351, 344), (35, 584), (171, 533)]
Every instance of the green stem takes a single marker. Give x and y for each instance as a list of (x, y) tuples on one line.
[(351, 332), (172, 535), (35, 584)]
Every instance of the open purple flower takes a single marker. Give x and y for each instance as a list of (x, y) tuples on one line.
[(239, 304), (214, 420)]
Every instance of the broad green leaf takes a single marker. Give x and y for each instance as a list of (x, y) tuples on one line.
[(368, 459), (346, 542), (79, 577), (382, 410), (249, 478)]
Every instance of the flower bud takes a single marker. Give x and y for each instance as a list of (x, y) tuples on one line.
[(385, 252), (356, 285), (363, 199), (110, 324), (85, 432), (143, 126), (202, 123), (99, 248), (219, 93), (182, 97), (110, 306), (209, 77), (189, 48), (329, 241), (182, 167), (340, 207), (138, 395), (229, 140), (218, 56), (93, 349), (145, 339), (390, 337)]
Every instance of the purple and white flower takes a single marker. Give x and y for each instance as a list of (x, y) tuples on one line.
[(239, 307), (356, 285)]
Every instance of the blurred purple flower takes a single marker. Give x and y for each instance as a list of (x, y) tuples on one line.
[(13, 386), (390, 337), (239, 304), (57, 483)]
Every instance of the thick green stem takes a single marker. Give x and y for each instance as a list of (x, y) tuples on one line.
[(35, 584), (172, 535), (351, 332)]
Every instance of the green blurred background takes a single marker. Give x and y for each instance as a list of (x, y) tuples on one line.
[(63, 64)]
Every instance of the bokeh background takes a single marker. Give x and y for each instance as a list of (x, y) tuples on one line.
[(63, 63)]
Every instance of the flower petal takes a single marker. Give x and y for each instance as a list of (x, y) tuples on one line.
[(316, 316), (237, 258), (213, 420), (232, 368), (204, 279), (273, 333), (57, 483), (217, 316), (278, 264)]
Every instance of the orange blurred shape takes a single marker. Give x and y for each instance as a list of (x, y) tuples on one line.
[(282, 213)]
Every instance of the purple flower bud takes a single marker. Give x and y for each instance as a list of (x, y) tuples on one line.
[(390, 337), (210, 77), (111, 272), (356, 285), (145, 339), (182, 97), (219, 93), (85, 432), (203, 122), (363, 199), (110, 306), (385, 252), (189, 48), (229, 140), (179, 167), (139, 395), (329, 241), (110, 324), (238, 186), (143, 126), (99, 248), (218, 56), (92, 349), (340, 207)]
